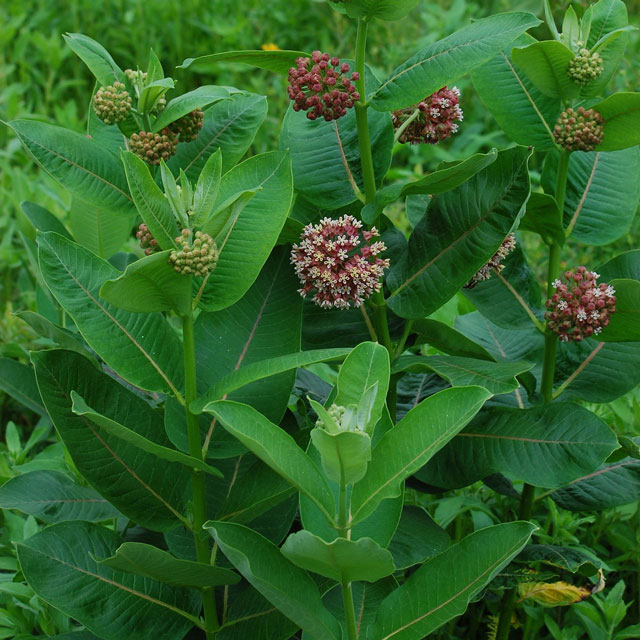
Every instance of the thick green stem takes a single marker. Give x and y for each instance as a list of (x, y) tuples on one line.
[(344, 531), (349, 612), (527, 497), (197, 478)]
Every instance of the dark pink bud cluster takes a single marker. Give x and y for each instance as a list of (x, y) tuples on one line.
[(153, 147), (580, 307), (147, 241), (484, 273), (436, 120), (320, 87), (188, 127), (330, 261), (581, 130)]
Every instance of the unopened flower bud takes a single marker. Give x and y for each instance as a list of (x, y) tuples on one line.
[(585, 67), (153, 147), (579, 130), (147, 241), (188, 127), (197, 258), (112, 104)]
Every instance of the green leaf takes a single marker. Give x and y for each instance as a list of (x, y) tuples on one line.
[(78, 163), (278, 61), (62, 337), (207, 189), (114, 428), (624, 324), (96, 57), (417, 538), (543, 217), (264, 369), (243, 335), (621, 113), (152, 92), (97, 229), (495, 377), (59, 566), (523, 112), (326, 155), (546, 64), (151, 494), (341, 559), (151, 562), (612, 485), (412, 442), (460, 232), (443, 62), (151, 203), (441, 589), (381, 9), (449, 175), (18, 381), (624, 265), (149, 284), (367, 365), (277, 449), (510, 298), (143, 349), (344, 455), (591, 370), (566, 558), (286, 586), (448, 340), (257, 226), (600, 201), (229, 125), (188, 102), (546, 446), (52, 497), (43, 220), (154, 69)]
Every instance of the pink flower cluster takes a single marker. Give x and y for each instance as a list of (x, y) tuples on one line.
[(321, 87), (580, 307), (484, 273), (437, 120), (330, 261)]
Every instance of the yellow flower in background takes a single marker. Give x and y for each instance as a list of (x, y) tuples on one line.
[(270, 46)]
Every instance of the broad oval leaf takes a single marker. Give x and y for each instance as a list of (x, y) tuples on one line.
[(443, 62), (624, 325), (621, 113), (381, 9), (52, 496), (441, 589), (286, 586), (19, 382), (412, 442), (149, 561), (460, 232), (523, 112), (78, 163), (151, 494), (546, 446), (187, 102), (279, 61), (142, 348), (96, 57), (341, 559), (247, 239), (59, 565)]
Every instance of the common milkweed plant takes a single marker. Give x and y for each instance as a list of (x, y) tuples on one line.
[(192, 294)]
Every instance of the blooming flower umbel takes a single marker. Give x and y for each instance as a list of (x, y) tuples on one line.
[(330, 261), (437, 119), (484, 273), (320, 87), (579, 307)]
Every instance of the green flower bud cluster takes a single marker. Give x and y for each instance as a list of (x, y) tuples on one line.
[(345, 418), (135, 76), (585, 67), (147, 241), (188, 127), (112, 104), (581, 130), (199, 258), (153, 147)]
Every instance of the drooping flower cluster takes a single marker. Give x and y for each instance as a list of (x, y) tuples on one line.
[(319, 85), (484, 273), (330, 261), (579, 307), (437, 119), (153, 147), (147, 241), (112, 104), (198, 258), (581, 130), (585, 67), (188, 127)]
